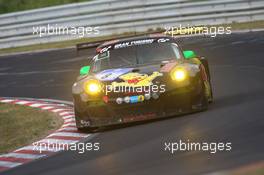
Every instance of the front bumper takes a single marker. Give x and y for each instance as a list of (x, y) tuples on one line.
[(174, 102)]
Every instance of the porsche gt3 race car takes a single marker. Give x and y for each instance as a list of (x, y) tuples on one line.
[(140, 78)]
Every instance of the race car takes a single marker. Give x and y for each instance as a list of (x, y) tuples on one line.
[(140, 78)]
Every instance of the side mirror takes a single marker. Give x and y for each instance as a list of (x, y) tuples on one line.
[(85, 70), (189, 54)]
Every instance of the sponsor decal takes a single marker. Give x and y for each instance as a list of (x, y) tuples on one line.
[(127, 99), (119, 100), (129, 43), (136, 83), (141, 98), (133, 99), (106, 99), (147, 96), (85, 123), (136, 99), (133, 43), (133, 79), (163, 40), (111, 74), (155, 96)]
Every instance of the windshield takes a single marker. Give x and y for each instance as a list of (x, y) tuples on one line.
[(135, 55)]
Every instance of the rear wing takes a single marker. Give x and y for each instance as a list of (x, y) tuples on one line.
[(82, 46)]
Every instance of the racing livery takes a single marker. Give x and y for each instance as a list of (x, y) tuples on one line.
[(139, 79)]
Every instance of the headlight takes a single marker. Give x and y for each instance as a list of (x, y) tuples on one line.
[(92, 87), (179, 74)]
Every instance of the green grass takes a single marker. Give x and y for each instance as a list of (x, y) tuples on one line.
[(21, 125), (7, 6)]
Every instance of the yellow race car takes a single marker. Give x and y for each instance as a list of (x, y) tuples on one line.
[(137, 79)]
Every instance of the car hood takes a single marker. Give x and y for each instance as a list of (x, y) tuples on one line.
[(135, 74)]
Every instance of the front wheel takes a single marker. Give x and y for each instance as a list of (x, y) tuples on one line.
[(211, 97), (199, 99), (204, 98)]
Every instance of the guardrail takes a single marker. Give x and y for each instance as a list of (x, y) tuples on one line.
[(120, 16)]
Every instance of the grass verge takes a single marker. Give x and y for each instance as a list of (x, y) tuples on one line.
[(72, 43), (22, 125)]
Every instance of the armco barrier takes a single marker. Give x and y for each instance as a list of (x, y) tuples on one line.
[(119, 16)]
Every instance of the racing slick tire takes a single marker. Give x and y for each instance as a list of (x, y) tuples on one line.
[(211, 99), (204, 61), (205, 100), (206, 66)]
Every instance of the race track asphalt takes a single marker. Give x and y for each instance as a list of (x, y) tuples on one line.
[(236, 116)]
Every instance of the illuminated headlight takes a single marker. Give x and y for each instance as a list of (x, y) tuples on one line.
[(92, 87), (179, 74)]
